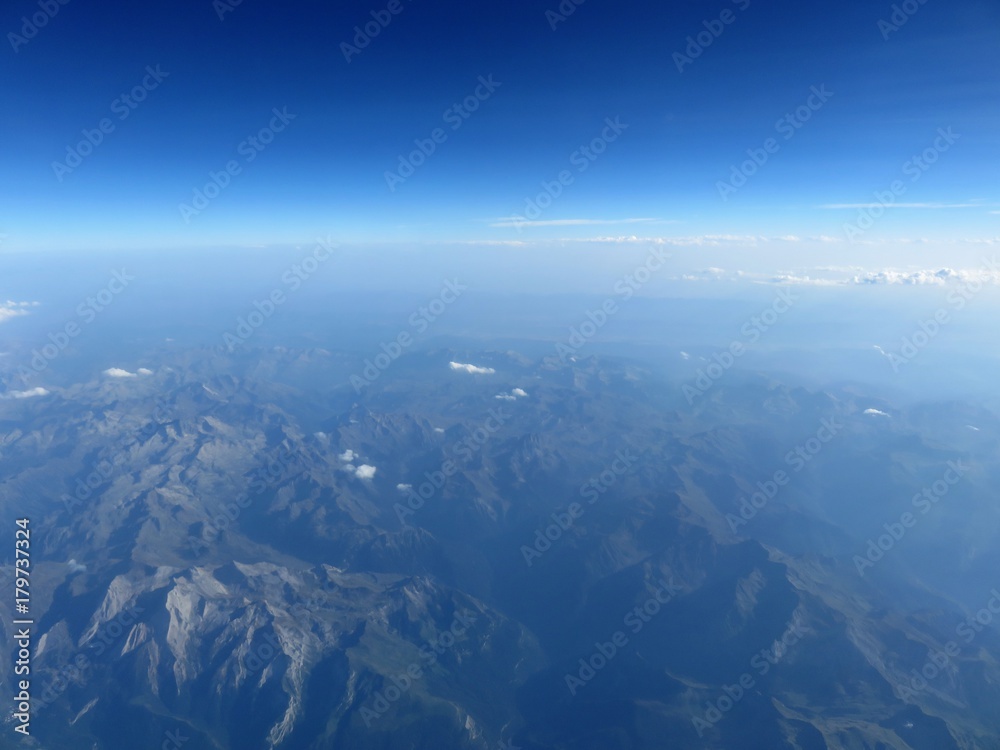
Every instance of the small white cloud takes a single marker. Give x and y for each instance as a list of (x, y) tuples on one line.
[(320, 435), (365, 471), (471, 369), (144, 371), (876, 413), (685, 355), (32, 393), (348, 455), (404, 487), (439, 429), (976, 429), (117, 372), (514, 395), (11, 309), (75, 567)]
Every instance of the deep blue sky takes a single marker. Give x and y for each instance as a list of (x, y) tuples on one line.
[(325, 173)]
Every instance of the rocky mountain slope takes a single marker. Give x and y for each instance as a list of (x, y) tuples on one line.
[(248, 553)]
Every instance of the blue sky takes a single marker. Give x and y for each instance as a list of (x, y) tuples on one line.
[(553, 92)]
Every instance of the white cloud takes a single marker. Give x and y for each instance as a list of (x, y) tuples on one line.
[(838, 206), (32, 393), (853, 276), (731, 240), (144, 371), (365, 471), (11, 309), (491, 243), (876, 413), (348, 455), (471, 369), (404, 487), (514, 395), (75, 567), (519, 221), (787, 278), (439, 429), (937, 277), (685, 355), (117, 372), (704, 240)]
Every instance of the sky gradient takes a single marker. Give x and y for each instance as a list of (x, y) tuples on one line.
[(928, 89)]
